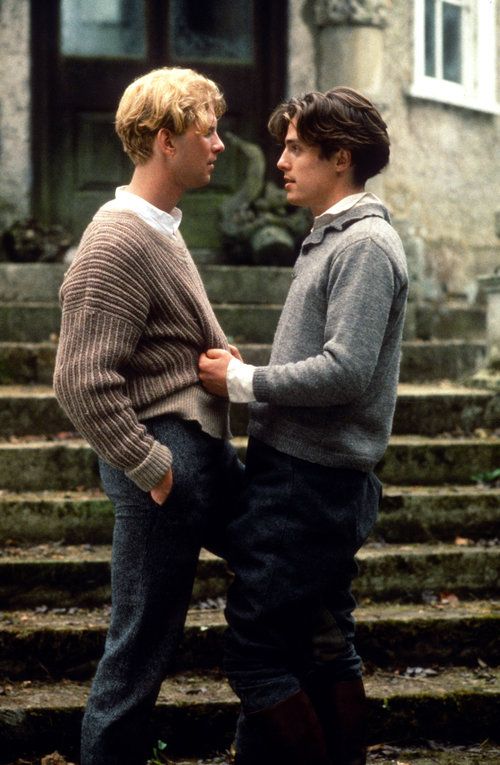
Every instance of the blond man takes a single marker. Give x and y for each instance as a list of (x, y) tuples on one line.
[(135, 318)]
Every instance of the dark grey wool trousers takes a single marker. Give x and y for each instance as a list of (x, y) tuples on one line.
[(154, 559)]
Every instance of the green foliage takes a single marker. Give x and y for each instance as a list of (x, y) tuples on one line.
[(159, 758), (489, 476)]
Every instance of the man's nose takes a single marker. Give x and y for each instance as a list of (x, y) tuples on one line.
[(219, 146), (282, 163)]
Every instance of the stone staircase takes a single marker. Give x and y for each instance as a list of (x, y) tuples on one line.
[(428, 619)]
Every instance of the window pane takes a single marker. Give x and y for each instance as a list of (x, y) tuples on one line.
[(104, 29), (430, 38), (452, 42), (204, 30)]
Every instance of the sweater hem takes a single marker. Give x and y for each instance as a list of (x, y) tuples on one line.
[(318, 454)]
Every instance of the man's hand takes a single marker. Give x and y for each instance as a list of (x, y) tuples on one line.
[(235, 352), (160, 492), (213, 370)]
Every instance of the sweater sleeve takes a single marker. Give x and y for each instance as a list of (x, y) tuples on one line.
[(361, 288), (104, 307)]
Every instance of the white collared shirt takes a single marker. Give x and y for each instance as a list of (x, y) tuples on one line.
[(125, 200), (239, 376)]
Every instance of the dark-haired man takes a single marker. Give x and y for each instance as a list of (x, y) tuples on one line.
[(320, 420)]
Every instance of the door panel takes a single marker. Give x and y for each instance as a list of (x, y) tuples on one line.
[(85, 54)]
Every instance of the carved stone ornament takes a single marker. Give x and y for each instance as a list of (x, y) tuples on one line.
[(371, 13)]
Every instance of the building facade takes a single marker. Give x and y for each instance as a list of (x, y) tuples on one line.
[(432, 66)]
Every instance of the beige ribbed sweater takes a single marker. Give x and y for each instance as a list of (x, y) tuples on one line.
[(135, 317)]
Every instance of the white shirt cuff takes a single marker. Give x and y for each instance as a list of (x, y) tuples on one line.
[(239, 379)]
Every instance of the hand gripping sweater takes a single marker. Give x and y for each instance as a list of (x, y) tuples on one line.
[(329, 392), (135, 317)]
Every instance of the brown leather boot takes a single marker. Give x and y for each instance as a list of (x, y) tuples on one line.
[(341, 707), (292, 731)]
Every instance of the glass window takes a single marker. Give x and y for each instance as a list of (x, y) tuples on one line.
[(452, 42), (105, 29), (204, 30), (443, 40), (430, 38)]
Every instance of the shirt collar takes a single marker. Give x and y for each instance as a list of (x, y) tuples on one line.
[(166, 223), (346, 203)]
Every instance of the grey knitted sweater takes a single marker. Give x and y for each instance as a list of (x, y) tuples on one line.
[(329, 392), (135, 318)]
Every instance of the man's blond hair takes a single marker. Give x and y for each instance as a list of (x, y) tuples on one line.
[(171, 98)]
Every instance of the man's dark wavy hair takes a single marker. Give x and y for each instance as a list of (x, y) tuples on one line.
[(341, 118)]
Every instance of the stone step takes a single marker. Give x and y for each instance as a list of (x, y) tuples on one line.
[(63, 576), (196, 714), (420, 409), (425, 409), (450, 319), (446, 513), (422, 361), (69, 463), (39, 322), (408, 514), (425, 361), (27, 363), (40, 282), (437, 753), (58, 643), (60, 576), (422, 460)]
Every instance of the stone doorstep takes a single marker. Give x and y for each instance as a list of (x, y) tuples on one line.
[(424, 409), (421, 361), (54, 645), (65, 576), (196, 714), (408, 514), (67, 464)]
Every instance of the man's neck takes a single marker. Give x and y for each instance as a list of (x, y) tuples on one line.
[(149, 184)]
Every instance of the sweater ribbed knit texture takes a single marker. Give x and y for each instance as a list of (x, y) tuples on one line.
[(329, 392), (135, 318)]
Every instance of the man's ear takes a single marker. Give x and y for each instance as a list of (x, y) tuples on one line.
[(343, 160), (163, 140)]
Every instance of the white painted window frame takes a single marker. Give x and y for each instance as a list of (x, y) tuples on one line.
[(478, 89)]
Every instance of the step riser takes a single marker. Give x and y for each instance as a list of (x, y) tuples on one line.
[(242, 323), (23, 363), (59, 468), (209, 728), (55, 654), (445, 361), (446, 322), (40, 282), (402, 577), (429, 415), (404, 518)]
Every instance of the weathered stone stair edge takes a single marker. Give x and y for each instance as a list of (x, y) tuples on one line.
[(68, 464), (420, 410), (51, 645), (196, 715), (419, 514), (255, 322), (391, 573), (421, 360)]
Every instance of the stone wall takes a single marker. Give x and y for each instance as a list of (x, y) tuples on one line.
[(444, 176), (15, 142)]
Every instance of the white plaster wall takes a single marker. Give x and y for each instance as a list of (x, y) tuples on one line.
[(445, 168), (444, 175), (15, 151)]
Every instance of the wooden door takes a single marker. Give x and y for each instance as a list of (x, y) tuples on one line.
[(85, 54)]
